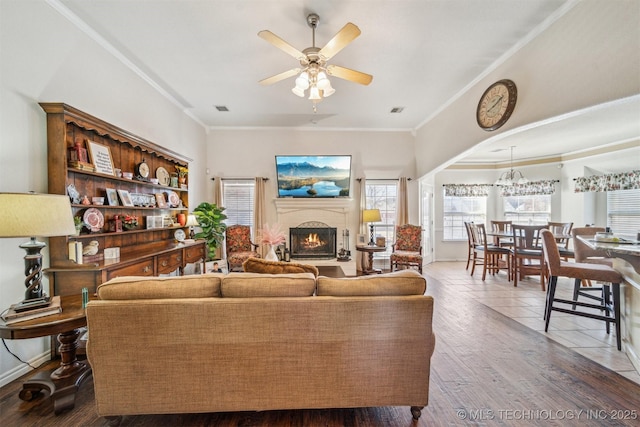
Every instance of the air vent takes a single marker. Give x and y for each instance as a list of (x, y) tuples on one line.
[(397, 109), (221, 108)]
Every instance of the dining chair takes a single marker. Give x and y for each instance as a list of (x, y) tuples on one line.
[(470, 244), (494, 258), (502, 227), (562, 233), (584, 253), (580, 271), (527, 257)]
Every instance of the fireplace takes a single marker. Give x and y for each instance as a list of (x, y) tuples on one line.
[(313, 240)]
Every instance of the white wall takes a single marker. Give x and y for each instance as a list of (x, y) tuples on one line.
[(47, 59), (590, 72), (379, 155)]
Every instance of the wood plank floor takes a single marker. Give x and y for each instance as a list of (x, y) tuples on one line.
[(487, 370)]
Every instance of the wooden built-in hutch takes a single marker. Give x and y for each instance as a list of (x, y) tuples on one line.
[(143, 251)]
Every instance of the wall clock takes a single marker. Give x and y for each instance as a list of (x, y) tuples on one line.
[(142, 169), (496, 104)]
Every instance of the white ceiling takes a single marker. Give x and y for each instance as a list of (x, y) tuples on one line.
[(422, 54)]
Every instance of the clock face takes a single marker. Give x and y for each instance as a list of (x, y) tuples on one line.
[(496, 105), (143, 169)]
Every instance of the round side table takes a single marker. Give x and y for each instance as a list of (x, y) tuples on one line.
[(64, 382), (371, 250)]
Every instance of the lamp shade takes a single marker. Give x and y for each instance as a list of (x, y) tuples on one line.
[(371, 215), (192, 221), (32, 214)]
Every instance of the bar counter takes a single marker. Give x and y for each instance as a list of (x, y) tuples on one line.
[(626, 260)]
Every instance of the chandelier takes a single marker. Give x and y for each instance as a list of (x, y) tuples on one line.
[(511, 177)]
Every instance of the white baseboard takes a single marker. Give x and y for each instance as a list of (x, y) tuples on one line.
[(20, 370)]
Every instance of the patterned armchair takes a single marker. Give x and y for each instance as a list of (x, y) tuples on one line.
[(407, 250), (239, 246)]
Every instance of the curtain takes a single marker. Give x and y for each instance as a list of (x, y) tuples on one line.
[(362, 227), (608, 182), (533, 188), (217, 200), (466, 190), (402, 212), (259, 211)]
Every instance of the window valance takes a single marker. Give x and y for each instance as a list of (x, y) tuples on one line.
[(466, 190), (533, 188), (608, 182)]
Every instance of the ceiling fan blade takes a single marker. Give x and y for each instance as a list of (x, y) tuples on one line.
[(348, 74), (342, 38), (278, 77), (281, 44)]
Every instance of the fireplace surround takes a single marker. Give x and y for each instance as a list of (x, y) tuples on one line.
[(313, 240)]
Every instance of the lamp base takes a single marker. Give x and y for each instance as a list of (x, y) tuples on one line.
[(31, 304), (371, 241)]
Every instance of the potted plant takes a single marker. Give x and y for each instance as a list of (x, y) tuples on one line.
[(210, 217), (79, 223)]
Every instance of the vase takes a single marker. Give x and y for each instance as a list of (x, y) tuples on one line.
[(271, 254)]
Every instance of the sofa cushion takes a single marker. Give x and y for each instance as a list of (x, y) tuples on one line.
[(259, 265), (249, 285), (135, 287), (403, 282)]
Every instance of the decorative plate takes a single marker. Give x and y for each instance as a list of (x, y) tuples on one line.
[(94, 219), (179, 235), (163, 176), (174, 200)]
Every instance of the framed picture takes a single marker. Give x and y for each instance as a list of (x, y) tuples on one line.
[(362, 239), (161, 202), (101, 158), (112, 197), (125, 197)]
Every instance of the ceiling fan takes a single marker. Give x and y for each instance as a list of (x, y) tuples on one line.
[(313, 60)]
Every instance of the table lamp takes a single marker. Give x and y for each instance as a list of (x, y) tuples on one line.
[(31, 215), (371, 216), (192, 221)]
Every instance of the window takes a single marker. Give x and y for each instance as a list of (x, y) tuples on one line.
[(458, 210), (527, 209), (623, 211), (237, 198), (383, 195)]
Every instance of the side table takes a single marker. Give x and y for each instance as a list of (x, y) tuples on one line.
[(371, 250), (64, 382)]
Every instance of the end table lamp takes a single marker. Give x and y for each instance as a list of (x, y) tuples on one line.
[(31, 215), (371, 216), (192, 221)]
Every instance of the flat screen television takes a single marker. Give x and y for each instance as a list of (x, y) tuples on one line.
[(313, 176)]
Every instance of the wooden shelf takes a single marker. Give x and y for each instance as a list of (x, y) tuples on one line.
[(68, 127)]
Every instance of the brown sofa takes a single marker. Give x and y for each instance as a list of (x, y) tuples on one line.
[(254, 342)]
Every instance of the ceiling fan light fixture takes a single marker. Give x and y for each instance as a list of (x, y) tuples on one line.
[(297, 91), (302, 82), (328, 92), (314, 93)]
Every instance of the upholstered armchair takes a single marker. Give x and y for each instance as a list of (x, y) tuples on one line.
[(407, 250), (239, 246)]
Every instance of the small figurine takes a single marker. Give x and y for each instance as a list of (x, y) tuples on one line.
[(91, 248), (85, 200)]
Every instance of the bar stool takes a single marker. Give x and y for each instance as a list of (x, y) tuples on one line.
[(583, 253), (580, 271)]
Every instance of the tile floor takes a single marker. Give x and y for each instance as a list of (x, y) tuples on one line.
[(525, 304)]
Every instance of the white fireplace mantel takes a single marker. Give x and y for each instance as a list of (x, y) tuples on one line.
[(338, 204)]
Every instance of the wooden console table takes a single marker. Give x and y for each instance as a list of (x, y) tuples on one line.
[(64, 382)]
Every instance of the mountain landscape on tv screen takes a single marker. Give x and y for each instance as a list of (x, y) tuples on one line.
[(305, 179)]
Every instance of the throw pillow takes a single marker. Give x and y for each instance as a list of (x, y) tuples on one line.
[(259, 265)]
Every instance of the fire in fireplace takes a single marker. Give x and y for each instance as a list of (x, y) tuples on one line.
[(317, 241)]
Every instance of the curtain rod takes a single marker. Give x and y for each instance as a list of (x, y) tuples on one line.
[(380, 179), (231, 179)]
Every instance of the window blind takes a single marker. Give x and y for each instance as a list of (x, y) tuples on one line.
[(237, 198), (623, 211)]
